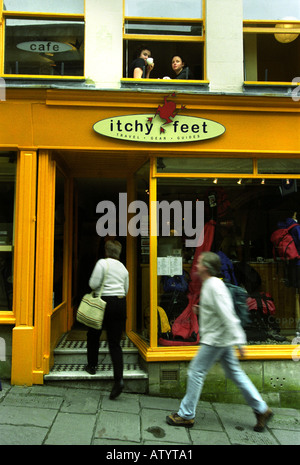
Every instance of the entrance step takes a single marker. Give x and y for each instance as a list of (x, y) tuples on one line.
[(70, 359)]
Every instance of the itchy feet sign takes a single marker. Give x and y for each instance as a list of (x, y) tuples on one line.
[(166, 125)]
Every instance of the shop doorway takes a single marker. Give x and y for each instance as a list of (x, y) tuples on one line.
[(88, 246)]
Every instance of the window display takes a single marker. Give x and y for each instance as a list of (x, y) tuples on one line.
[(246, 223)]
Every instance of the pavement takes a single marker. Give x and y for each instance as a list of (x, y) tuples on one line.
[(60, 415)]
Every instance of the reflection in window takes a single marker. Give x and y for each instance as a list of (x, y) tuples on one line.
[(55, 6), (7, 195), (166, 9), (266, 10), (44, 47)]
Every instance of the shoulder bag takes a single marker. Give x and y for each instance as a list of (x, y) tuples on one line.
[(91, 309)]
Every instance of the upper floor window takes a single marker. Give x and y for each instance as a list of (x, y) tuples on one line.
[(163, 31), (271, 40), (43, 39)]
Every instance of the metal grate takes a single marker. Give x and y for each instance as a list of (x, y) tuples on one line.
[(169, 375)]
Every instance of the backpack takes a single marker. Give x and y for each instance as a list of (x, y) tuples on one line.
[(177, 283), (227, 269), (239, 297), (262, 302), (283, 244)]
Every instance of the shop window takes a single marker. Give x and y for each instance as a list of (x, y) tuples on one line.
[(37, 44), (166, 30), (246, 211), (8, 162), (271, 41)]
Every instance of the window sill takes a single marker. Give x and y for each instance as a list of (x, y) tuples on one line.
[(271, 87), (186, 353), (173, 84)]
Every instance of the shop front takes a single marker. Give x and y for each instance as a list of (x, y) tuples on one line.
[(155, 170)]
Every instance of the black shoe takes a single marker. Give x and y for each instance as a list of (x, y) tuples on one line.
[(117, 389), (91, 370)]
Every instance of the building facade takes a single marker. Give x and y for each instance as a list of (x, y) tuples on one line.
[(86, 150)]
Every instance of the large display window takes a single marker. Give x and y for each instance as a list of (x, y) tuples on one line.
[(244, 220)]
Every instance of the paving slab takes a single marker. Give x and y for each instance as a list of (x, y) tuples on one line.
[(285, 420), (209, 438), (32, 401), (238, 421), (118, 425), (81, 401), (162, 403), (22, 435), (124, 403), (71, 429), (26, 416), (286, 437)]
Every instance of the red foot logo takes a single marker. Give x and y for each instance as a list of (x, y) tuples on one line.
[(166, 112)]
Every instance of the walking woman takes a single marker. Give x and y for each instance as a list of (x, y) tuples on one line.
[(115, 288)]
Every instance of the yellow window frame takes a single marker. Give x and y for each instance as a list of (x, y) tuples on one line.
[(151, 352), (268, 27), (168, 38), (8, 14)]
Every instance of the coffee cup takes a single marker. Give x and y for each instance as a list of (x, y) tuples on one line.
[(150, 61)]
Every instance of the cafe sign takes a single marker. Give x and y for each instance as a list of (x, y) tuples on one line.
[(44, 46), (165, 126)]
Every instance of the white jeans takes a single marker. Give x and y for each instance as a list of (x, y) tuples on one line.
[(198, 369)]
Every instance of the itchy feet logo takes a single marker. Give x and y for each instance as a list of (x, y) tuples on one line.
[(165, 125)]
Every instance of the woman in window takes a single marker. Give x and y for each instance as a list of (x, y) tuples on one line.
[(180, 69), (139, 68)]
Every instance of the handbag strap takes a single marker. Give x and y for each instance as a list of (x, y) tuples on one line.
[(101, 288)]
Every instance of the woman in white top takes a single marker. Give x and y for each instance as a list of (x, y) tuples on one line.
[(115, 288), (220, 330)]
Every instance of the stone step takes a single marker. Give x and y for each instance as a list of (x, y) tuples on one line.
[(70, 360), (74, 352)]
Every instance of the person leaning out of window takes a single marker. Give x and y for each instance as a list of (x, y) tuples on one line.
[(141, 67)]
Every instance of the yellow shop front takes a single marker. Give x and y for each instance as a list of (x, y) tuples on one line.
[(69, 154)]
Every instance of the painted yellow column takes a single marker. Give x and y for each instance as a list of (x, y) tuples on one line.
[(24, 253), (44, 265), (153, 254)]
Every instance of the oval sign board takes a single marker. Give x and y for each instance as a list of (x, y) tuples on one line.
[(150, 128), (44, 46)]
